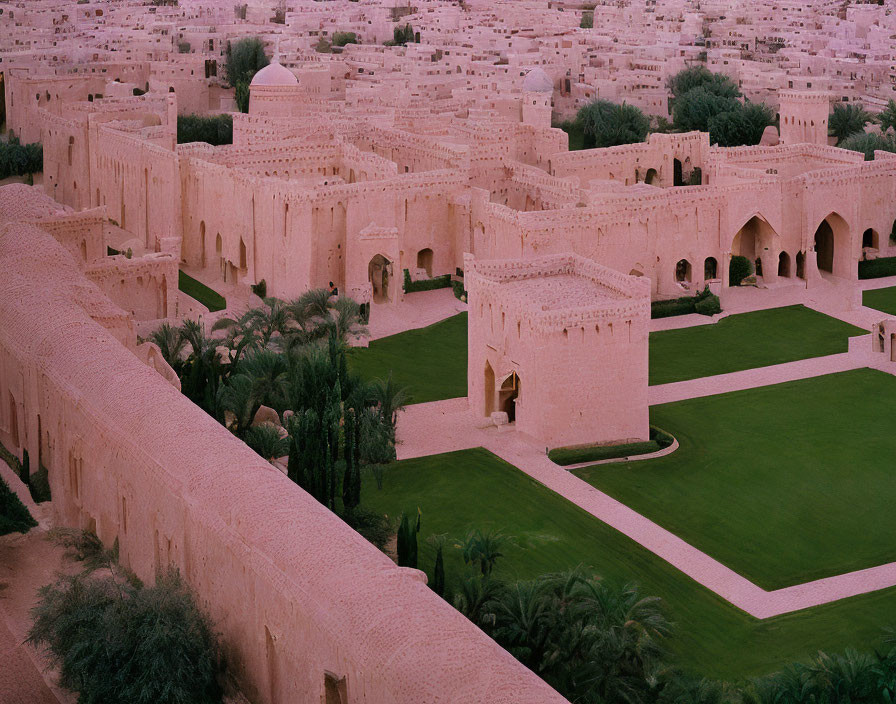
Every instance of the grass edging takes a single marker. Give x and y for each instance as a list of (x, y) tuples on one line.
[(565, 456), (208, 297)]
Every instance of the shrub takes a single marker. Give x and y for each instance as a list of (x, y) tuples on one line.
[(410, 286), (343, 38), (115, 640), (14, 517), (606, 124), (876, 268), (215, 130), (20, 159), (375, 527), (460, 293), (739, 269), (39, 486), (670, 308), (659, 439), (707, 303), (260, 289)]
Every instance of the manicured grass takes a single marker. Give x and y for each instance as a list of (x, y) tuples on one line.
[(431, 361), (784, 484), (746, 341), (882, 299), (196, 289), (474, 489)]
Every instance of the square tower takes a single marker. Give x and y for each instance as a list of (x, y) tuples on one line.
[(804, 116), (559, 344)]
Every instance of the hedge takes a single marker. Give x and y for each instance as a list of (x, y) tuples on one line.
[(704, 303), (196, 289), (738, 269), (876, 268), (659, 439), (443, 281), (459, 290)]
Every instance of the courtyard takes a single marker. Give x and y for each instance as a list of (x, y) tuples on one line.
[(469, 489)]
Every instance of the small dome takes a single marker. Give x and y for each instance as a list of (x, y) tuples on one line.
[(537, 81), (275, 74)]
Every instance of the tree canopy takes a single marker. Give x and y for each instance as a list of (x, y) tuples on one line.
[(701, 77), (606, 124), (693, 110), (245, 58), (742, 126), (887, 117), (869, 143), (848, 119)]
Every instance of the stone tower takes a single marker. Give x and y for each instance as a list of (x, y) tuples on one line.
[(804, 116), (538, 88)]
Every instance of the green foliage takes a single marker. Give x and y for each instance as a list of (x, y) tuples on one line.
[(482, 550), (407, 540), (876, 268), (211, 299), (701, 77), (695, 109), (14, 517), (565, 456), (460, 293), (739, 268), (375, 527), (323, 46), (587, 19), (742, 126), (438, 574), (215, 130), (887, 117), (266, 441), (244, 59), (868, 143), (114, 641), (401, 35), (705, 303), (606, 124), (260, 289), (410, 286), (39, 485), (848, 119), (20, 159), (343, 38)]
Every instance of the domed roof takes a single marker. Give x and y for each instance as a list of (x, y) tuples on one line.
[(537, 81), (274, 74)]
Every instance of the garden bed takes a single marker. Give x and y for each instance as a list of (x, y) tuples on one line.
[(564, 456)]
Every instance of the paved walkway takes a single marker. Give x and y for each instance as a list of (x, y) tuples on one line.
[(417, 310), (457, 431)]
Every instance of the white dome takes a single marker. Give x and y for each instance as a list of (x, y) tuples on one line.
[(537, 81), (275, 74)]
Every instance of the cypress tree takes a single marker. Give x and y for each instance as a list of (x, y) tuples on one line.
[(293, 466), (438, 576), (402, 541), (348, 480)]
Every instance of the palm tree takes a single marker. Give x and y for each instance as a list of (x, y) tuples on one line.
[(266, 441), (171, 343), (848, 119), (203, 367), (389, 396), (483, 549), (242, 335), (887, 117), (270, 319), (475, 597), (261, 380)]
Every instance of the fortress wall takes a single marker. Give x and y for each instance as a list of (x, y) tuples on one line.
[(296, 594)]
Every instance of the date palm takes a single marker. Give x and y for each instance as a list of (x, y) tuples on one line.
[(171, 343), (848, 119)]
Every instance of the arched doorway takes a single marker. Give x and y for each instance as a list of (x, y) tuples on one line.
[(869, 238), (651, 178), (378, 275), (424, 261), (510, 391), (710, 269), (784, 264), (489, 390), (756, 241), (202, 243), (800, 265), (824, 247), (683, 270)]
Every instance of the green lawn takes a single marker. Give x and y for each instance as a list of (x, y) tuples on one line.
[(210, 298), (746, 341), (473, 488), (431, 361), (883, 299), (784, 484)]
